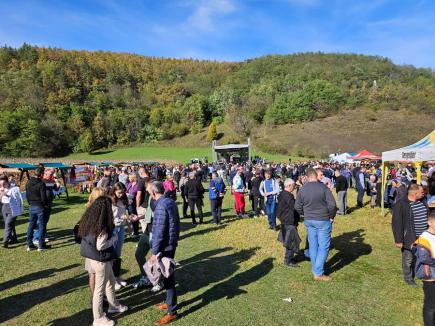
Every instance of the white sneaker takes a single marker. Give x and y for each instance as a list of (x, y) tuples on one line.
[(103, 321), (118, 309), (121, 282), (157, 288), (117, 286)]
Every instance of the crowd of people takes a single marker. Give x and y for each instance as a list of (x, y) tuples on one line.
[(141, 202)]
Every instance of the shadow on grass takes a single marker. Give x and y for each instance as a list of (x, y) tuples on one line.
[(18, 304), (228, 289), (83, 317), (202, 232), (34, 276), (210, 267), (350, 247)]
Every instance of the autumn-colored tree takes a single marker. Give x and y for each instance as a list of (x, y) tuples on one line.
[(212, 131)]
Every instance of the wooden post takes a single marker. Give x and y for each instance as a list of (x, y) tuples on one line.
[(64, 183)]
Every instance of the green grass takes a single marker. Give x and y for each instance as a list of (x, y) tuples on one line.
[(230, 275), (160, 153)]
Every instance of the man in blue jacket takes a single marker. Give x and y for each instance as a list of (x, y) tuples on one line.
[(166, 232), (216, 194)]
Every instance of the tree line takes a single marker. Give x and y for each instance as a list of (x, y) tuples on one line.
[(54, 102)]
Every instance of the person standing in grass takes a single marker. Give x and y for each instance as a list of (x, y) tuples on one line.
[(269, 189), (132, 189), (182, 184), (289, 219), (119, 207), (98, 238), (317, 204), (257, 198), (36, 194), (360, 186), (341, 186), (96, 193), (238, 187), (12, 206), (166, 232), (216, 195), (409, 222), (194, 192), (425, 269)]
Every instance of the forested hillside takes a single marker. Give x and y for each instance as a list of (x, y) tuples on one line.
[(54, 102)]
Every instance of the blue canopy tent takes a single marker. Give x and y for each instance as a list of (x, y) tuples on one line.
[(22, 167)]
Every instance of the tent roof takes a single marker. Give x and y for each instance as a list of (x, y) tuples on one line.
[(56, 165), (231, 146), (365, 155), (343, 157), (423, 150), (23, 166)]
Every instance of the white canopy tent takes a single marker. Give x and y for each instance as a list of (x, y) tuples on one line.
[(342, 158), (421, 151)]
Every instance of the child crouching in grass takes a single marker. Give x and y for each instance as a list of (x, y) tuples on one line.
[(425, 269)]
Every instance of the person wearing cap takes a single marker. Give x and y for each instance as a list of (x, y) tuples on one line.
[(397, 192), (269, 189)]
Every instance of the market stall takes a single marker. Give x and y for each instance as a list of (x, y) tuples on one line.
[(418, 153)]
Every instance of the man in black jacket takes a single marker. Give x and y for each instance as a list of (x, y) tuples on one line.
[(289, 219), (341, 188), (36, 193), (257, 198), (194, 191), (409, 221)]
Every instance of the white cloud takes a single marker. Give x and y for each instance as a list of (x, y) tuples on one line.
[(206, 14)]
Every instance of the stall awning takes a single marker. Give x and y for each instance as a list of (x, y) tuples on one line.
[(423, 150), (21, 166), (56, 165)]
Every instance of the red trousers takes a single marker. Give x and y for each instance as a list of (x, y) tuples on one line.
[(239, 198)]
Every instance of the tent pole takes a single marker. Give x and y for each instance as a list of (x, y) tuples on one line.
[(384, 179), (64, 183), (418, 168)]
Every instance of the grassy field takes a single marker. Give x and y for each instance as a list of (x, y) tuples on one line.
[(160, 153), (230, 275)]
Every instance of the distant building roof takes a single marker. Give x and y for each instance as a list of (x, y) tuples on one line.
[(231, 146)]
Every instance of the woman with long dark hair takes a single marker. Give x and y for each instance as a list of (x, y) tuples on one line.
[(97, 233), (120, 218)]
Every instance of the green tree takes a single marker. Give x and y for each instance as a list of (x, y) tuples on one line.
[(99, 131)]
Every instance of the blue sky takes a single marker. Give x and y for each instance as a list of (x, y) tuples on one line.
[(226, 29)]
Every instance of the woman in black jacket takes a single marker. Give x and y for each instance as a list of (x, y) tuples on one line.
[(97, 244)]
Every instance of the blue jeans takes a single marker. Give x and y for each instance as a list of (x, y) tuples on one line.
[(120, 230), (271, 210), (36, 217), (47, 214), (319, 239)]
